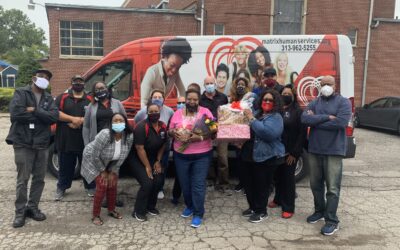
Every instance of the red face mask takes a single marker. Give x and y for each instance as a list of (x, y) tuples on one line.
[(267, 106), (269, 83)]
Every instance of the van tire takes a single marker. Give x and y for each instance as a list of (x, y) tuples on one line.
[(53, 165), (301, 170)]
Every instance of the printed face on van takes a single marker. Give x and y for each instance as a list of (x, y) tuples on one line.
[(172, 64), (260, 59), (222, 79), (241, 58), (282, 62)]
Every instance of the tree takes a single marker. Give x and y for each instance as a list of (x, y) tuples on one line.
[(19, 37), (25, 72)]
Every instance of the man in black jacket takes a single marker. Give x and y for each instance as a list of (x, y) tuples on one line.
[(32, 111)]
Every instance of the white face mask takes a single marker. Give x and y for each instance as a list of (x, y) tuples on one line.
[(41, 83), (327, 90)]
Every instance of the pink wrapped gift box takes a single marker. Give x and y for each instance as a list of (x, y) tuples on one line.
[(233, 132)]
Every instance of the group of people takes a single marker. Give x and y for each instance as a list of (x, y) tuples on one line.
[(94, 130)]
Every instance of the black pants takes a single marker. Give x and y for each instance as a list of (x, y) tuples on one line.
[(147, 194), (257, 177), (67, 162), (285, 187)]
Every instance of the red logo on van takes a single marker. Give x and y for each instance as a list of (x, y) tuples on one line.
[(221, 51)]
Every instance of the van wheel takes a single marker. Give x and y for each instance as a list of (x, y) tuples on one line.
[(398, 128), (300, 171), (53, 165)]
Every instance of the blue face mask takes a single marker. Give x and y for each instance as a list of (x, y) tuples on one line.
[(158, 102), (210, 88), (118, 127), (180, 106)]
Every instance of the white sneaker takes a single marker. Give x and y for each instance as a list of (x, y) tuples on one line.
[(160, 195)]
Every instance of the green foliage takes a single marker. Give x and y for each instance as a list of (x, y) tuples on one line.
[(25, 72), (20, 38), (6, 95)]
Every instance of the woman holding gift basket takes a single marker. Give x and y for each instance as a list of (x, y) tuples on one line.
[(193, 127), (268, 153)]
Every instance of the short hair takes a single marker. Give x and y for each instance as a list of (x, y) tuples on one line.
[(157, 91), (189, 91), (179, 46), (222, 67), (195, 86), (277, 100)]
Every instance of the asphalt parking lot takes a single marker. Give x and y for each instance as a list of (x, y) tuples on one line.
[(369, 212)]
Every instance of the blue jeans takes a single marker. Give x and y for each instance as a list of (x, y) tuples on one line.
[(326, 169), (67, 162), (192, 172)]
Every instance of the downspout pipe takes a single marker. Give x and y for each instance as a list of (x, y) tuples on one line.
[(364, 85)]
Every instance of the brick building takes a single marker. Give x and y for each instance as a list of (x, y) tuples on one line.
[(81, 35)]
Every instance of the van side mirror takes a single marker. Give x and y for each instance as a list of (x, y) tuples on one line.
[(366, 106)]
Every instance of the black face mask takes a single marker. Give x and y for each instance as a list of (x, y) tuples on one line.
[(78, 87), (102, 94), (192, 108), (287, 99), (154, 117), (240, 90)]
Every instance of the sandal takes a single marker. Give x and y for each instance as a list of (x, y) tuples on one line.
[(115, 215), (97, 221)]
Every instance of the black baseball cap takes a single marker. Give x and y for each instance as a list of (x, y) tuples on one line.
[(269, 71), (75, 77), (44, 71)]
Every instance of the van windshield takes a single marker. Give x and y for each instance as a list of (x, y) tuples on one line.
[(117, 76)]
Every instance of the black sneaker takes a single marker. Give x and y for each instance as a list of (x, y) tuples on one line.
[(35, 214), (139, 217), (153, 211), (315, 217), (329, 228), (238, 187), (247, 213), (257, 217)]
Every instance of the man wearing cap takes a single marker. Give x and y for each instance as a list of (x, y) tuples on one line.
[(212, 99), (32, 111), (268, 81), (68, 139)]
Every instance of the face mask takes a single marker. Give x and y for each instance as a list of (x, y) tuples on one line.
[(192, 108), (267, 106), (118, 127), (240, 90), (180, 105), (154, 117), (210, 88), (158, 102), (327, 90), (102, 94), (77, 87), (287, 99), (41, 83), (269, 83)]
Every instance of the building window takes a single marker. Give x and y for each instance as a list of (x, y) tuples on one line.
[(219, 29), (287, 17), (352, 34), (81, 38)]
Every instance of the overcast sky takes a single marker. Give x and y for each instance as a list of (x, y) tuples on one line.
[(38, 15)]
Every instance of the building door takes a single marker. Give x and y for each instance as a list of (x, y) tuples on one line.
[(287, 17), (11, 81)]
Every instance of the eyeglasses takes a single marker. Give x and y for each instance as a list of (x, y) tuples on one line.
[(209, 83), (268, 100), (181, 102), (326, 83)]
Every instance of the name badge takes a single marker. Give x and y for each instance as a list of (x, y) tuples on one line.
[(162, 134), (31, 126)]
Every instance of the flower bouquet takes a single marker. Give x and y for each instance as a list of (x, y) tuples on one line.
[(203, 126)]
